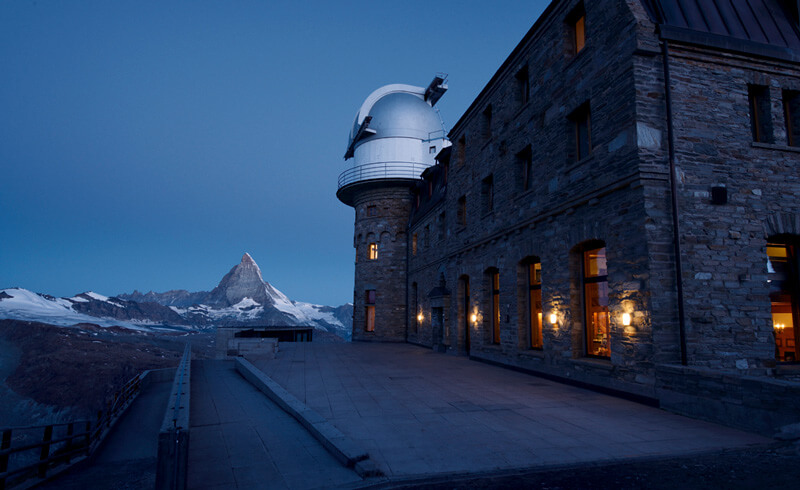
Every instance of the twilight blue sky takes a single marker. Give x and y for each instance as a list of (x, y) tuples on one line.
[(148, 144)]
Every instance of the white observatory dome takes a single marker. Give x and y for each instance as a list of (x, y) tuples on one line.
[(396, 135)]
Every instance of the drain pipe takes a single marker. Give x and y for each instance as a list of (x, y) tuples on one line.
[(676, 235)]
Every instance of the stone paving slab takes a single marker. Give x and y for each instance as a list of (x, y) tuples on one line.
[(417, 412), (241, 439)]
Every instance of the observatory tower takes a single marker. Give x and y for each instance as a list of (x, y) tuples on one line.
[(395, 137)]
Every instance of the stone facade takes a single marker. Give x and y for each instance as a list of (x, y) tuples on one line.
[(381, 219), (515, 189)]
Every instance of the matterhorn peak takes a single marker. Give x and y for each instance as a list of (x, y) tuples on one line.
[(243, 281)]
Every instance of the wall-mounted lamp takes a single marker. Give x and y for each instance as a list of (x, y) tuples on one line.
[(779, 326), (626, 319), (553, 318), (473, 318), (420, 317)]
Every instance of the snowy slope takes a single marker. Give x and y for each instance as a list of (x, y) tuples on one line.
[(21, 304)]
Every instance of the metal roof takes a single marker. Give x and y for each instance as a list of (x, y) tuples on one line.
[(761, 27)]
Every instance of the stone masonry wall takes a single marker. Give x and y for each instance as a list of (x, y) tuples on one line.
[(387, 274), (724, 246)]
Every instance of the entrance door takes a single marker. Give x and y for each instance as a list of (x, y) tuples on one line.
[(465, 293), (783, 269)]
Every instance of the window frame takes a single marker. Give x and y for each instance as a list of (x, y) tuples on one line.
[(580, 118), (535, 310), (370, 298), (493, 276), (759, 106), (589, 329), (372, 251)]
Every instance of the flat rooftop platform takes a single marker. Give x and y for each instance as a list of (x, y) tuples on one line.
[(424, 414)]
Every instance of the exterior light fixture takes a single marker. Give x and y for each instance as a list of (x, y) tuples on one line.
[(553, 318), (626, 319), (779, 326), (420, 317), (474, 318)]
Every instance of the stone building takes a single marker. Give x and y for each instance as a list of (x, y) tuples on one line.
[(620, 209)]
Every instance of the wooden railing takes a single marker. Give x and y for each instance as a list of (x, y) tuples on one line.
[(28, 453)]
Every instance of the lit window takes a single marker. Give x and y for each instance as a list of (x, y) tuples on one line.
[(414, 244), (791, 114), (373, 251), (582, 128), (535, 304), (579, 29), (595, 298), (487, 194), (760, 114), (523, 85), (369, 319), (782, 274), (462, 211)]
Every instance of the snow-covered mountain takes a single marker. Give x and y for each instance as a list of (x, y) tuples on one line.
[(241, 298)]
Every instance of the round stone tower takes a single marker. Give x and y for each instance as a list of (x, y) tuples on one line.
[(395, 137)]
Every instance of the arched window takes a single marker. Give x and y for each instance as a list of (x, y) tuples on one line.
[(415, 306), (493, 297), (783, 268), (373, 251), (597, 326), (465, 310)]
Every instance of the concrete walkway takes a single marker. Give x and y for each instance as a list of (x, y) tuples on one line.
[(127, 459), (241, 439), (419, 413)]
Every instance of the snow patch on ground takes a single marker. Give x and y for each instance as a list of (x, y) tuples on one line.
[(98, 297)]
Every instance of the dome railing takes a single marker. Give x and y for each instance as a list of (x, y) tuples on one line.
[(381, 170)]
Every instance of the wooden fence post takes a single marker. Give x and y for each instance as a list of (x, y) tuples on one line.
[(48, 436), (4, 445)]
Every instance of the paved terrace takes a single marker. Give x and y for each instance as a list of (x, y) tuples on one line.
[(420, 413)]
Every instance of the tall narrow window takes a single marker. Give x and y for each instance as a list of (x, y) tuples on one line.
[(579, 33), (791, 114), (783, 268), (760, 114), (523, 85), (414, 244), (426, 236), (487, 122), (525, 162), (535, 304), (372, 210), (576, 24), (595, 302), (494, 283), (369, 319), (582, 127), (461, 152), (462, 211), (487, 195), (415, 306), (373, 251)]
